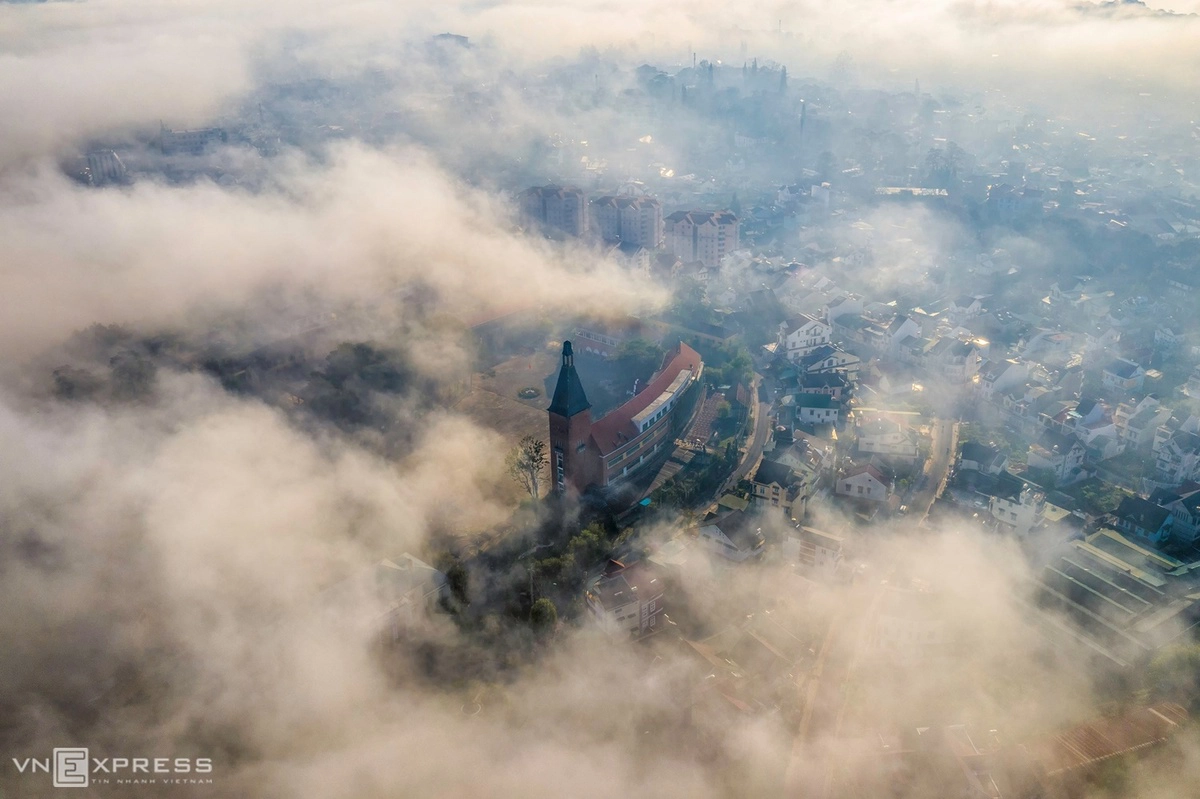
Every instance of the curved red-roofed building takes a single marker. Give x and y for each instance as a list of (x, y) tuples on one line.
[(586, 453)]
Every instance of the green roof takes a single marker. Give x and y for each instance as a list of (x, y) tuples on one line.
[(734, 502)]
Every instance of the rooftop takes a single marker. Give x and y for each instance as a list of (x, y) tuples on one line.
[(617, 428), (569, 398), (769, 472)]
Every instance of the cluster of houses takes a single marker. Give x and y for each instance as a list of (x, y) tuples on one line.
[(887, 351), (1076, 399), (829, 368), (838, 344)]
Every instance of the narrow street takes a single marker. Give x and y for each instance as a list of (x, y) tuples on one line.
[(943, 444)]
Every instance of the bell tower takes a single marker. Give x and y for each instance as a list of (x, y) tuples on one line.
[(570, 429)]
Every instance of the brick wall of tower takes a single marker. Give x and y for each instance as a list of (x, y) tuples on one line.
[(569, 440)]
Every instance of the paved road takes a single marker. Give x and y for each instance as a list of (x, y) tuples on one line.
[(943, 443), (754, 449)]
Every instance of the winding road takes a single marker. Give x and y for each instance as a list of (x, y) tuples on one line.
[(754, 449)]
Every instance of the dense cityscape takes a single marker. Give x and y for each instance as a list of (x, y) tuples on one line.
[(524, 400)]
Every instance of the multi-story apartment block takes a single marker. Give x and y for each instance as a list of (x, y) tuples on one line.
[(629, 220), (705, 236), (561, 207)]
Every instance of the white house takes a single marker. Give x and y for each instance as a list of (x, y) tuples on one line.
[(1169, 335), (802, 334), (901, 328), (883, 436), (633, 256), (1070, 294), (1123, 375), (965, 307), (734, 536), (956, 360), (1192, 387), (866, 483), (1184, 505), (827, 358), (1061, 454), (816, 549), (1177, 457), (777, 485), (806, 454), (997, 377), (833, 384), (1139, 423), (1017, 504), (843, 304), (628, 600), (816, 409), (1090, 420), (1086, 411), (1049, 346), (1142, 518), (1101, 338)]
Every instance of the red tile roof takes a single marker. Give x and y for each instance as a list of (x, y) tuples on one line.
[(1104, 738), (616, 429)]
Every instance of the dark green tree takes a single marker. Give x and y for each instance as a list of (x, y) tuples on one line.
[(588, 546), (731, 454), (543, 616), (378, 369), (72, 383), (459, 580), (639, 357), (133, 375)]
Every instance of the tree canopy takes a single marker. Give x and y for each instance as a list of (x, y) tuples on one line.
[(543, 615), (526, 464), (639, 357)]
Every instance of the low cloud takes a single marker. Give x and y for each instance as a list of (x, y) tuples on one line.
[(362, 229)]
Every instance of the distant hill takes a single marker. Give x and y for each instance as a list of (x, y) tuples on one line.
[(1112, 8)]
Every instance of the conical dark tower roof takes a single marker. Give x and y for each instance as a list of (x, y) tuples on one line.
[(569, 398)]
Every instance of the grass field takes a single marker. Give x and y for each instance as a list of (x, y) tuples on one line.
[(492, 401)]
